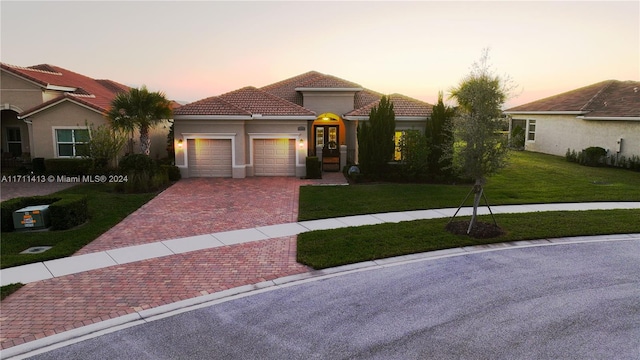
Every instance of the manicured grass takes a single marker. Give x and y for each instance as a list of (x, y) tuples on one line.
[(106, 209), (328, 248), (529, 178), (9, 289)]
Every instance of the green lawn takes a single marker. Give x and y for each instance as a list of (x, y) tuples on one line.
[(106, 209), (530, 178)]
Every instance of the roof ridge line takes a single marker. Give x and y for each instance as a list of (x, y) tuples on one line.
[(232, 105), (584, 108)]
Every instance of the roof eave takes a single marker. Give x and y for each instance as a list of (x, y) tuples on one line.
[(54, 103), (211, 117), (613, 118), (329, 89), (545, 112)]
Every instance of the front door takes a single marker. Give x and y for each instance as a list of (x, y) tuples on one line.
[(326, 134)]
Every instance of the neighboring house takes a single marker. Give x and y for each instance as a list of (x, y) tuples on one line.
[(269, 131), (46, 109), (605, 114)]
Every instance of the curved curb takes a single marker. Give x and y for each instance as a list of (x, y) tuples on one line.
[(108, 326)]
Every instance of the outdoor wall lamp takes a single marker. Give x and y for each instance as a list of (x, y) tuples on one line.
[(301, 144), (180, 143)]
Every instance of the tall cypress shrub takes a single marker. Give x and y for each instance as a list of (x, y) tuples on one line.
[(376, 144), (440, 138)]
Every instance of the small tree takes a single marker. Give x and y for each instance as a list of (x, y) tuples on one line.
[(415, 151), (139, 109), (440, 138), (480, 96), (376, 144), (105, 144)]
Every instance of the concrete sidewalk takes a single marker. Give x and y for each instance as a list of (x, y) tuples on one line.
[(98, 260)]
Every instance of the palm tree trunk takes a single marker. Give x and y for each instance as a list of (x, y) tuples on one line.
[(477, 190), (145, 141)]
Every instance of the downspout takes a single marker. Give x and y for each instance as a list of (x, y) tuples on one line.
[(30, 133)]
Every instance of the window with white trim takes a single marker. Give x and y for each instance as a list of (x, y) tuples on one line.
[(531, 130), (72, 142)]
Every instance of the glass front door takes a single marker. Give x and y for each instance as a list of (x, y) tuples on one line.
[(326, 134)]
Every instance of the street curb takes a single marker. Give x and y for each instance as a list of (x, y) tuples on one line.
[(145, 316)]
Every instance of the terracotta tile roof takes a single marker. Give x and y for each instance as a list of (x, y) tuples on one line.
[(286, 89), (91, 92), (611, 98), (245, 101), (210, 106), (402, 106)]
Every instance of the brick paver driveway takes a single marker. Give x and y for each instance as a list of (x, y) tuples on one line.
[(190, 207)]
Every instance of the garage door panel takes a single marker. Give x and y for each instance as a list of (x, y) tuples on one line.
[(209, 157), (274, 157)]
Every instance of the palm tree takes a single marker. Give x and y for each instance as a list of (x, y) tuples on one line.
[(139, 109)]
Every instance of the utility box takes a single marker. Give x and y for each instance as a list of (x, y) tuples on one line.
[(32, 218)]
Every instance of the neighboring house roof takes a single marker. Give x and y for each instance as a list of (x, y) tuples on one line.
[(403, 106), (611, 99), (245, 101), (81, 89), (285, 98)]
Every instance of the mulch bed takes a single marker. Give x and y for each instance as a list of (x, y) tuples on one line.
[(481, 230)]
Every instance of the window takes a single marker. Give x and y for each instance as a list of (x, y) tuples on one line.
[(397, 138), (72, 142), (531, 130), (14, 141)]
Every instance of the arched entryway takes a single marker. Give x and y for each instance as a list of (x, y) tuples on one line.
[(328, 129)]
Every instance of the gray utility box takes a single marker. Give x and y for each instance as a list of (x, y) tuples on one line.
[(32, 217)]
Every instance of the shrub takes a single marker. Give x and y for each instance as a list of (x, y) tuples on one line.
[(415, 155), (69, 211), (38, 165), (314, 170), (70, 167), (173, 172), (136, 163), (593, 156)]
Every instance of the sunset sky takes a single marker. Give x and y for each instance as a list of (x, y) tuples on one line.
[(193, 50)]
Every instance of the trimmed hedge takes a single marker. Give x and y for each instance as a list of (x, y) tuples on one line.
[(172, 171), (66, 211), (70, 167), (314, 168)]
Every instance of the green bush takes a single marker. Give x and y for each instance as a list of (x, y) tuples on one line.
[(66, 211), (173, 172), (69, 211), (593, 156), (38, 165), (314, 170), (137, 163), (69, 167)]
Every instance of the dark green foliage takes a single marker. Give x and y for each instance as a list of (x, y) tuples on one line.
[(135, 163), (376, 139), (439, 133), (517, 138), (66, 211), (173, 172), (594, 156), (38, 165), (69, 211), (69, 167), (415, 154), (313, 168)]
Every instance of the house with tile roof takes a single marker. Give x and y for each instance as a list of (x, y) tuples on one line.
[(605, 114), (46, 109), (269, 131)]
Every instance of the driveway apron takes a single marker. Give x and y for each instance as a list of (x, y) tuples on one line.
[(188, 208)]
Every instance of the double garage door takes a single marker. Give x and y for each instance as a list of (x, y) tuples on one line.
[(212, 157)]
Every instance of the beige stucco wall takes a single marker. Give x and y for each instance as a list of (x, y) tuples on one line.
[(557, 133), (65, 115), (18, 93), (336, 102)]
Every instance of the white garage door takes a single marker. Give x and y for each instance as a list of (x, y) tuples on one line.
[(209, 157), (274, 157)]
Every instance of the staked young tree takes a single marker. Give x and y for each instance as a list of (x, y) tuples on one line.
[(480, 96), (376, 144), (139, 109)]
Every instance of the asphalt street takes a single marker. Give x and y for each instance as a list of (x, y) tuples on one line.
[(570, 301)]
